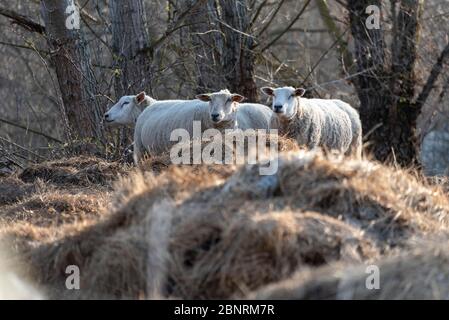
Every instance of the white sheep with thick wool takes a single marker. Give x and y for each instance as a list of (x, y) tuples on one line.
[(156, 120), (330, 124)]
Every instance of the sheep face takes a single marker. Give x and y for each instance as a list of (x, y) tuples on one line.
[(284, 100), (126, 110), (222, 105)]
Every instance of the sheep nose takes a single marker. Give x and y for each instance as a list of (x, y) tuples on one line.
[(215, 117), (277, 108), (106, 116)]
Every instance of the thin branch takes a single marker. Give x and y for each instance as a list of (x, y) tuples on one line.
[(176, 26), (22, 46), (433, 76), (256, 15), (336, 33), (23, 148), (234, 29), (301, 30), (11, 123), (265, 27), (324, 55), (23, 21), (288, 27)]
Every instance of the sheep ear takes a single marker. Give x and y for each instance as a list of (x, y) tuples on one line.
[(299, 92), (140, 97), (267, 90), (203, 97), (237, 98)]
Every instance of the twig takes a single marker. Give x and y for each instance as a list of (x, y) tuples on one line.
[(434, 73), (23, 21), (256, 15), (176, 26), (288, 27), (234, 29), (265, 27), (339, 80), (9, 157), (30, 130), (335, 32), (23, 148), (324, 55)]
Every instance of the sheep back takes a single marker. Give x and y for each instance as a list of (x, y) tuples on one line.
[(320, 122)]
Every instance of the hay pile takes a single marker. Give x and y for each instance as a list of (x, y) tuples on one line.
[(51, 207), (209, 253), (13, 189), (199, 232), (230, 151), (419, 274), (57, 192), (391, 206), (80, 171)]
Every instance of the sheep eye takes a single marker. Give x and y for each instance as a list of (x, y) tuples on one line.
[(125, 103)]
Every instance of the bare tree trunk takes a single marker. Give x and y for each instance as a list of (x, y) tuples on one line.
[(221, 46), (133, 63), (238, 58), (386, 93), (131, 45), (71, 60), (203, 36)]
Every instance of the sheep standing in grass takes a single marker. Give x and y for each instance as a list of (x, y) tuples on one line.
[(126, 111), (331, 124), (154, 120), (227, 112), (154, 125)]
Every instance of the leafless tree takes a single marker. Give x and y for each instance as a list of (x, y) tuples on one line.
[(71, 60), (221, 38), (386, 90), (131, 44)]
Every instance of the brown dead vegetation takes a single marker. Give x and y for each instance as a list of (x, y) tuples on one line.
[(214, 231), (13, 189), (79, 171), (419, 274)]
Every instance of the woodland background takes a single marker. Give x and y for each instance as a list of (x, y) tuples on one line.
[(56, 83)]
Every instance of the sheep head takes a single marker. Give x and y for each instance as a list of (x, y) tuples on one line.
[(284, 100), (127, 109), (222, 105)]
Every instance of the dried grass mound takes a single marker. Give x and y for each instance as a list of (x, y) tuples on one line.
[(222, 231), (79, 171), (53, 208), (13, 189), (216, 256), (203, 252), (119, 240), (391, 206), (231, 152), (420, 274)]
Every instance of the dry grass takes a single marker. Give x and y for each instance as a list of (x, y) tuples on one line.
[(213, 231), (13, 189), (229, 150), (53, 208), (419, 274), (79, 171)]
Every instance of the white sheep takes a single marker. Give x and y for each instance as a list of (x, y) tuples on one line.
[(126, 111), (154, 125), (129, 109), (223, 106), (331, 124)]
